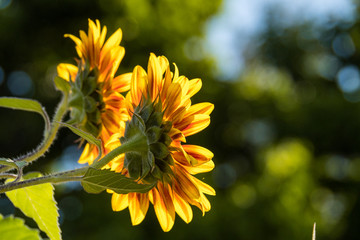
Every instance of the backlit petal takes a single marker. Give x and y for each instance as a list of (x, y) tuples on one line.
[(164, 207), (138, 206), (183, 208), (119, 202)]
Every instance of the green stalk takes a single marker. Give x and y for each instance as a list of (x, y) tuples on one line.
[(49, 137), (67, 176), (136, 143)]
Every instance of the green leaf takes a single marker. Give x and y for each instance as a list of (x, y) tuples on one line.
[(95, 181), (38, 203), (25, 105), (15, 229), (62, 84)]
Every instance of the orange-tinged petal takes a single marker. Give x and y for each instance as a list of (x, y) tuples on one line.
[(154, 76), (114, 40), (164, 207), (202, 168), (110, 120), (173, 99), (164, 63), (197, 124), (183, 208), (119, 202), (176, 134), (186, 184), (203, 187), (138, 206), (122, 82), (138, 85), (200, 108), (198, 152), (89, 154)]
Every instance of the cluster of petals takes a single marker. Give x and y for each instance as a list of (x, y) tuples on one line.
[(105, 57), (174, 92), (159, 83)]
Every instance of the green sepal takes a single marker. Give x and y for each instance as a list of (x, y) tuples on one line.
[(90, 104), (153, 134), (96, 181), (89, 86), (164, 167), (155, 119), (62, 85), (159, 150)]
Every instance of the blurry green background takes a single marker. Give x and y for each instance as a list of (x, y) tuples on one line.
[(284, 78)]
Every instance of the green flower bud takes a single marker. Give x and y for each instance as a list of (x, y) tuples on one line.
[(85, 101)]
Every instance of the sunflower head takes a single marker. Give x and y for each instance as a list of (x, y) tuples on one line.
[(94, 97), (159, 108)]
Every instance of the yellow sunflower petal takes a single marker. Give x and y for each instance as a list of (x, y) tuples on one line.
[(89, 153), (154, 76), (205, 204), (186, 184), (200, 108), (195, 86), (119, 202), (202, 168), (114, 40), (198, 152), (194, 124), (164, 207), (173, 99), (121, 83), (75, 39), (183, 208), (138, 206), (203, 187), (138, 85), (67, 71)]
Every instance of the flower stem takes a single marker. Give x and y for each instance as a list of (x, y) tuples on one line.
[(138, 141), (49, 137), (67, 176)]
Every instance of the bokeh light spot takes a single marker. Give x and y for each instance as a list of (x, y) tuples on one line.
[(258, 132), (348, 79), (20, 83), (337, 167), (243, 196), (343, 45), (224, 175), (4, 3)]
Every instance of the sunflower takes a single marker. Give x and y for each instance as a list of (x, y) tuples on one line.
[(159, 105), (95, 87)]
